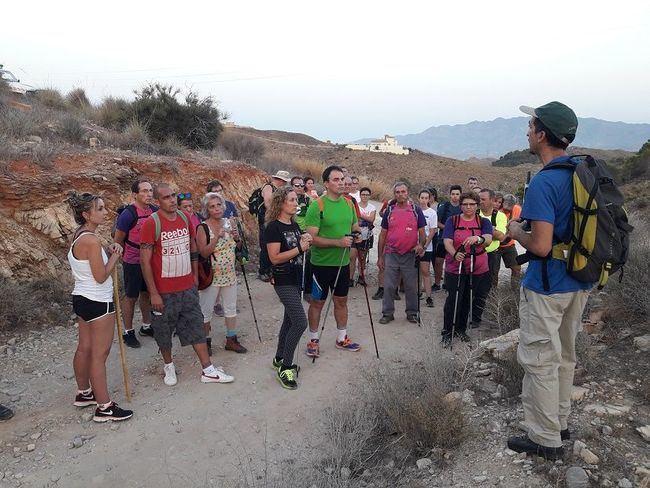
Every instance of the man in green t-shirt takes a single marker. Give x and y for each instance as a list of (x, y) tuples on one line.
[(330, 220), (298, 185)]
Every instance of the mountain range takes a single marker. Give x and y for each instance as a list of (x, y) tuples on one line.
[(492, 139)]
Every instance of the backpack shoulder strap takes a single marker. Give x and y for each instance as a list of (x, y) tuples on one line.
[(321, 206), (156, 221), (182, 215), (455, 219), (493, 217), (206, 229)]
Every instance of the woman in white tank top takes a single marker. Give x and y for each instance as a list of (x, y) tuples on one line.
[(92, 301)]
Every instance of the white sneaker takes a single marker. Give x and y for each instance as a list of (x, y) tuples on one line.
[(218, 376), (170, 374)]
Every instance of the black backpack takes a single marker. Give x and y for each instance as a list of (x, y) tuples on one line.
[(256, 200)]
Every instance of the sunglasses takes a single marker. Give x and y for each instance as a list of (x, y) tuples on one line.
[(298, 186), (468, 204), (184, 196)]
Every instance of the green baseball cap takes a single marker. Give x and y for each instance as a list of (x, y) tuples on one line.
[(557, 117)]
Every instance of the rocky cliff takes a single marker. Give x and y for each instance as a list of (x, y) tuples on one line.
[(35, 221)]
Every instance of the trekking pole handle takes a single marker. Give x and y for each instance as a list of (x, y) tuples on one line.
[(461, 248)]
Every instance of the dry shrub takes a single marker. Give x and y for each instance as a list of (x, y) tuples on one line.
[(71, 129), (8, 150), (271, 164), (627, 301), (113, 113), (134, 137), (34, 303), (18, 124), (379, 190), (78, 99), (170, 147), (502, 308), (307, 167), (241, 147), (509, 373), (51, 98), (44, 154)]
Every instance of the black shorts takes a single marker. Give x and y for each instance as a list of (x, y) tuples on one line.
[(134, 282), (428, 256), (441, 252), (364, 245), (90, 310), (324, 280)]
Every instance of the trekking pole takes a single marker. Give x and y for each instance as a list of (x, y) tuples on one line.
[(118, 317), (470, 315), (453, 323), (242, 260), (362, 271), (329, 303), (417, 265)]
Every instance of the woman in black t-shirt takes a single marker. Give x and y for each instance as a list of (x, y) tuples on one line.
[(286, 246)]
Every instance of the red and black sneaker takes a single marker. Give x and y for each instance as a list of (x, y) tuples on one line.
[(85, 399)]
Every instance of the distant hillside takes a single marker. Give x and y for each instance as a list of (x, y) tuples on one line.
[(497, 137), (514, 158), (277, 135)]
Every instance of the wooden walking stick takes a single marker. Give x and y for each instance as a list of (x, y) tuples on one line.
[(118, 318)]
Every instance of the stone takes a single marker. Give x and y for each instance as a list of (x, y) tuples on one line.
[(644, 432), (642, 343), (484, 372), (576, 477), (345, 473), (607, 409), (468, 398), (87, 417), (423, 463), (479, 479), (77, 442), (35, 139), (500, 347), (642, 472), (35, 436), (578, 446), (31, 447), (625, 483), (453, 397), (578, 393), (589, 457), (607, 430)]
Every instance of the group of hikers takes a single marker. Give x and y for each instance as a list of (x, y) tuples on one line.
[(180, 265)]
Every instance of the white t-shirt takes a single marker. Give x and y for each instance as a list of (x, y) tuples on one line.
[(357, 196), (366, 212), (432, 224)]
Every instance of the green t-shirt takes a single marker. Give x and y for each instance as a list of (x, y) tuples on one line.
[(337, 221), (501, 224), (301, 215)]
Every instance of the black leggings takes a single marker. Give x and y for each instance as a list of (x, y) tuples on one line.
[(293, 324), (481, 287)]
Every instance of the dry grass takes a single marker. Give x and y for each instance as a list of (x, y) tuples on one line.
[(78, 99), (71, 129), (241, 147), (502, 308), (510, 374), (44, 301), (51, 98), (44, 154)]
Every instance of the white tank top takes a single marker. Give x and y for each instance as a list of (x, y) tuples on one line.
[(84, 282)]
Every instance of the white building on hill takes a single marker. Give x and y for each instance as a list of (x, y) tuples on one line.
[(386, 145)]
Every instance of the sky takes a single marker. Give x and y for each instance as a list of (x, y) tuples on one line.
[(344, 70)]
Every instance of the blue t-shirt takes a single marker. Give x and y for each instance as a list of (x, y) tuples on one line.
[(230, 211), (550, 199), (446, 210)]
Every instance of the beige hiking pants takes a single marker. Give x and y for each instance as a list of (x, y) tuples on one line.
[(549, 325)]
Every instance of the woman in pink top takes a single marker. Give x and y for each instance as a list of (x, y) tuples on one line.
[(465, 238), (186, 204)]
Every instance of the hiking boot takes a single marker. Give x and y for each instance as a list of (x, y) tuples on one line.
[(435, 288), (170, 374), (429, 302), (397, 297), (208, 342), (361, 281), (412, 317), (112, 412), (463, 337), (130, 339), (524, 444), (218, 376), (218, 309), (446, 341), (232, 344), (146, 331), (287, 378), (348, 345), (85, 399), (5, 412), (313, 348), (379, 294), (351, 283), (565, 435), (386, 319)]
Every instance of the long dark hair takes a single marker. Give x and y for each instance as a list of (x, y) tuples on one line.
[(278, 199), (80, 203)]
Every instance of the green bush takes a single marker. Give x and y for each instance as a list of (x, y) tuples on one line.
[(515, 158), (113, 113), (195, 123)]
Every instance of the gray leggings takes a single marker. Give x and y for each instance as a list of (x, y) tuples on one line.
[(293, 324)]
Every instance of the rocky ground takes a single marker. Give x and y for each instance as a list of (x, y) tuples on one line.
[(208, 435)]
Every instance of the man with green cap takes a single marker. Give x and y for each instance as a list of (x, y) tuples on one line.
[(552, 301)]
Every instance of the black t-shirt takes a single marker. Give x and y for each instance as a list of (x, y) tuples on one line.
[(288, 235)]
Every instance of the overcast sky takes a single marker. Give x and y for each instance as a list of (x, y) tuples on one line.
[(343, 70)]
